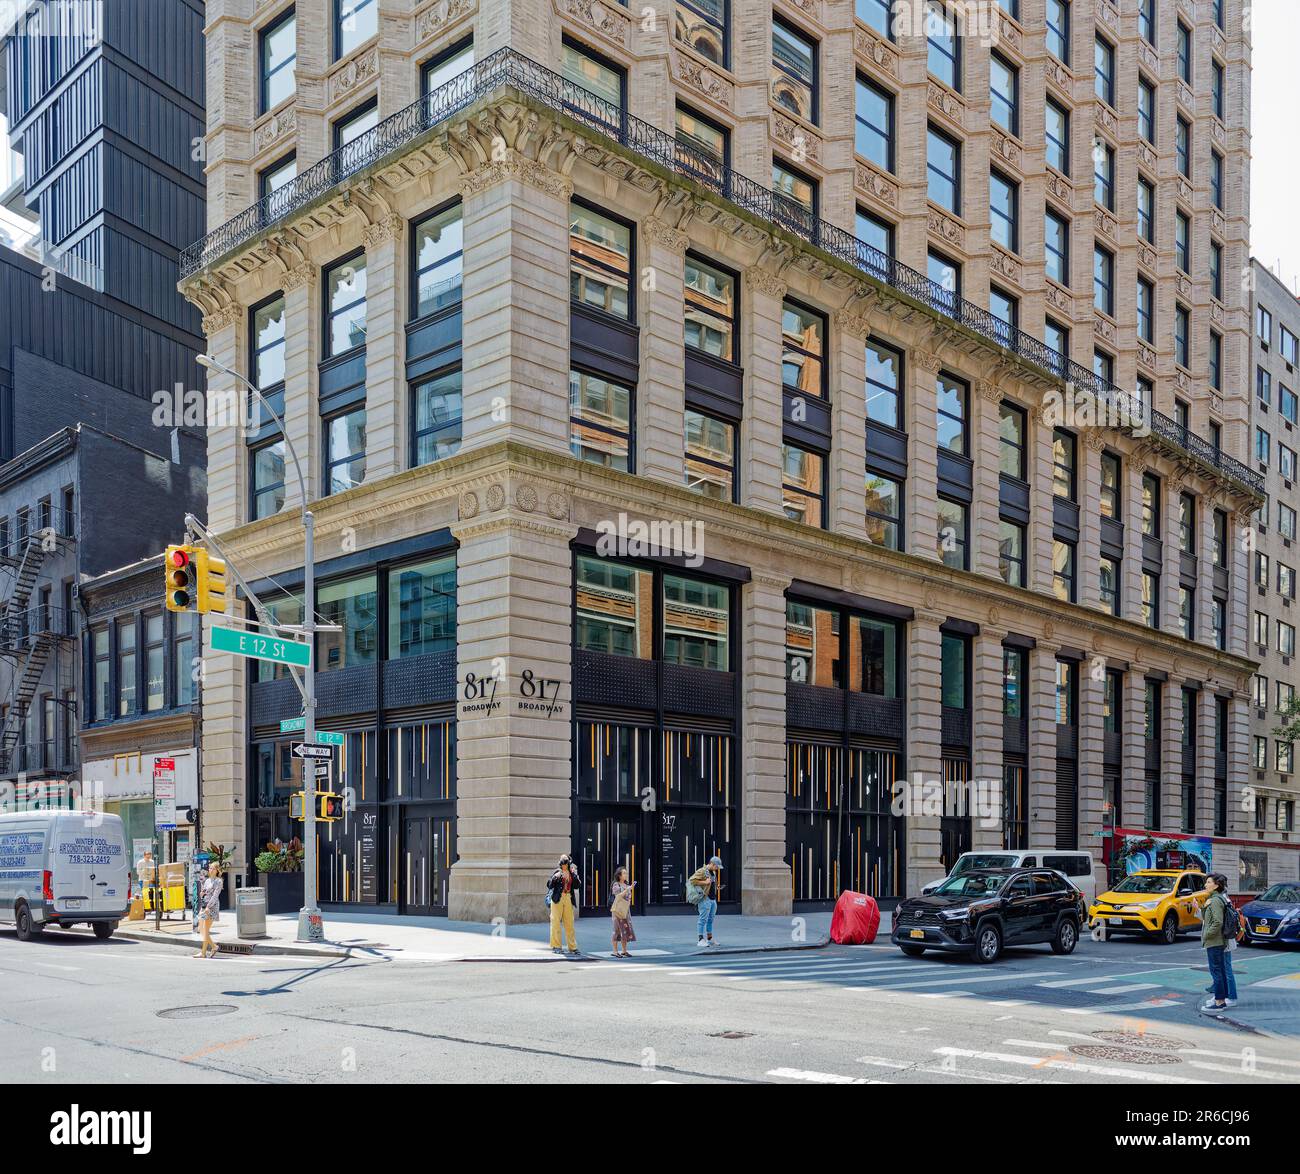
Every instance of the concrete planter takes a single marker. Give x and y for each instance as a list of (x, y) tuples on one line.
[(283, 891)]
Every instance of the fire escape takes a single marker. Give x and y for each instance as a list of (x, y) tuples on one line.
[(29, 634)]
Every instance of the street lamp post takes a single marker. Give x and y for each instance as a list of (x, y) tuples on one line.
[(310, 925)]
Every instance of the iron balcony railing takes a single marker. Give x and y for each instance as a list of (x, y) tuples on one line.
[(508, 68)]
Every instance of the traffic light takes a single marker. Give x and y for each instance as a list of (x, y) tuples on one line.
[(296, 801), (179, 568), (331, 806), (210, 588)]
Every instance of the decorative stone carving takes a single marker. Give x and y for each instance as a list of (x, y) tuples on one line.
[(947, 229), (1059, 187), (1146, 256), (515, 166), (496, 497), (870, 181), (1216, 313), (1147, 357), (944, 101), (1009, 32), (1058, 299), (1004, 265), (1058, 73), (703, 80), (297, 277), (810, 8), (1104, 329), (1146, 154), (383, 231), (988, 391), (1183, 283), (1109, 15), (851, 323), (437, 17), (875, 49), (526, 498), (557, 505), (801, 141), (1106, 120), (1217, 221), (223, 319), (1103, 221), (1185, 96), (279, 126), (354, 73), (1148, 56), (1184, 190), (1006, 148), (1217, 131), (765, 281), (468, 505), (607, 19), (927, 361), (664, 234)]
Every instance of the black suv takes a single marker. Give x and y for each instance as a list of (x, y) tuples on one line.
[(980, 911)]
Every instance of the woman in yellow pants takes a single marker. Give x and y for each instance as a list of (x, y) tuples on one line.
[(564, 887)]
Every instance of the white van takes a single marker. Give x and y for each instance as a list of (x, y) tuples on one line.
[(63, 868), (1071, 862)]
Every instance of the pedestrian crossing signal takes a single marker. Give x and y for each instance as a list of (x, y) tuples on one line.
[(178, 567), (296, 805), (331, 806)]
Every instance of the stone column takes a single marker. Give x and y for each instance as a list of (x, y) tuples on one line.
[(1205, 566), (301, 417), (1206, 708), (1041, 697), (1087, 555), (765, 874), (987, 810), (924, 748), (760, 433), (660, 399), (1090, 772), (1132, 781), (986, 442), (516, 305), (1241, 804), (1171, 757), (922, 516), (226, 332), (1038, 571), (386, 396), (224, 750), (513, 780), (846, 504)]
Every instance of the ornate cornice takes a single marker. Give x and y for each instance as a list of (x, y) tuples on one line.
[(664, 234), (223, 319), (765, 281), (382, 231), (516, 167), (297, 277)]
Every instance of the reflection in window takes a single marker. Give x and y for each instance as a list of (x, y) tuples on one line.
[(422, 608), (710, 456), (600, 420), (803, 485), (702, 24), (345, 451), (794, 71), (352, 604), (884, 511), (812, 645), (436, 431), (696, 621), (439, 245), (802, 343), (345, 289), (600, 257), (710, 310), (591, 87), (613, 608)]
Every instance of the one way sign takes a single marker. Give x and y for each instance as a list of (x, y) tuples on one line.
[(308, 750)]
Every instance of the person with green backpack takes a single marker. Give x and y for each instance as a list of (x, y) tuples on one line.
[(701, 889), (1219, 921)]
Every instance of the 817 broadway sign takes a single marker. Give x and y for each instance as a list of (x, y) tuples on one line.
[(487, 694)]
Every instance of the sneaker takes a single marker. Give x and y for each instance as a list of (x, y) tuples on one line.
[(1210, 1007), (700, 945), (1229, 1002), (710, 943), (556, 950)]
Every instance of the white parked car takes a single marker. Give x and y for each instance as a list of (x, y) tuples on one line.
[(1072, 863), (63, 868)]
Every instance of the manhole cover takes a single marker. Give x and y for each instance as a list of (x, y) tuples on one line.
[(1122, 1055), (200, 1012), (1138, 1039), (730, 1034)]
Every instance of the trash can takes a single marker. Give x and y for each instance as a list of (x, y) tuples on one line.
[(250, 913)]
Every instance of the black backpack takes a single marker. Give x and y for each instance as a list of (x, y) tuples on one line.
[(1231, 921)]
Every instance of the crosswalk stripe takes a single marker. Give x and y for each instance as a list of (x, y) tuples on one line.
[(1153, 1004), (1239, 1070), (1123, 990), (1238, 1056), (1005, 977), (1067, 1065), (820, 1077)]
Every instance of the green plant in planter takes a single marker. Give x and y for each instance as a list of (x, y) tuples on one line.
[(280, 857)]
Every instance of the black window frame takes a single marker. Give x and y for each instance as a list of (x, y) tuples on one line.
[(813, 84), (587, 307), (329, 313), (889, 134), (264, 35), (413, 262)]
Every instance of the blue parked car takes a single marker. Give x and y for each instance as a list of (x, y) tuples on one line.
[(1273, 916)]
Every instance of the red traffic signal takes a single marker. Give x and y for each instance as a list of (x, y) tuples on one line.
[(331, 805)]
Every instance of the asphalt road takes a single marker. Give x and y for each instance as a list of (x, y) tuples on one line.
[(77, 1010)]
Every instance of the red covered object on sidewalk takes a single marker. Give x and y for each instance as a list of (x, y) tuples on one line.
[(855, 920)]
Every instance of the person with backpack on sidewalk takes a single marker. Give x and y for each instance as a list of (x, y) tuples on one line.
[(562, 890), (1219, 923), (701, 889)]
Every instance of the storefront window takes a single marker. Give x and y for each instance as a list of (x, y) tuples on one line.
[(873, 657), (422, 608), (812, 645), (352, 604), (614, 613), (696, 623)]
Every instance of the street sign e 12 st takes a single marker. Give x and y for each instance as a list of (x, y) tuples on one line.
[(258, 646)]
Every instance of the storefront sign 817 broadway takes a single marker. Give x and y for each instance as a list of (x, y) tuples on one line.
[(484, 694)]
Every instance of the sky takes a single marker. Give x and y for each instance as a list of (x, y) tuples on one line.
[(1275, 138)]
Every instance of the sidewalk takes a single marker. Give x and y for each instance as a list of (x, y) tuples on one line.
[(435, 939)]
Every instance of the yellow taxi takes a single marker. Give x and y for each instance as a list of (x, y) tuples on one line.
[(1160, 901)]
